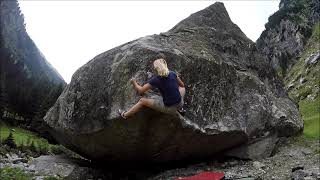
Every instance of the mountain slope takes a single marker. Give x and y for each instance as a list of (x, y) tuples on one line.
[(303, 84), (287, 32), (29, 84), (291, 43)]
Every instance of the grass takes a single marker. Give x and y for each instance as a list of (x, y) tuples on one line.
[(30, 141), (27, 140), (8, 173), (310, 111), (23, 137), (308, 72)]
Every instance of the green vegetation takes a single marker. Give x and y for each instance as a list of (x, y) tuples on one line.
[(8, 173), (306, 93), (32, 145), (310, 111), (24, 138), (10, 140), (27, 140), (308, 73)]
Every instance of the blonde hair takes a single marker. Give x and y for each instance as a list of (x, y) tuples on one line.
[(161, 67)]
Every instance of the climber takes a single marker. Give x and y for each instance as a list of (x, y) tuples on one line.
[(170, 86)]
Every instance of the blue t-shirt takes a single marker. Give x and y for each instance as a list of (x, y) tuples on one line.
[(168, 87)]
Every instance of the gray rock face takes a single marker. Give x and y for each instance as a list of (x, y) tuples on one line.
[(233, 96), (53, 165), (287, 32)]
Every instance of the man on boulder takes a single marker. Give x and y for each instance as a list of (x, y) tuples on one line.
[(171, 87)]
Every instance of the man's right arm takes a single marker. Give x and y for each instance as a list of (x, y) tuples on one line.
[(140, 89), (181, 84)]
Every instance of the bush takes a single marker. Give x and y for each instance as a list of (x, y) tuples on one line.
[(43, 149), (10, 140), (56, 149), (33, 147), (8, 173), (304, 92), (23, 147)]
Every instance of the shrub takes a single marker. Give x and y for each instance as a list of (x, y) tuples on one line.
[(8, 173), (10, 140), (304, 92), (43, 149), (23, 147), (57, 149), (33, 147)]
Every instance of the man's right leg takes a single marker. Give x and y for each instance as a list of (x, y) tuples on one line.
[(180, 109), (137, 107)]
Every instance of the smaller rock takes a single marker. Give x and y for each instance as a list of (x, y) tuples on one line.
[(20, 166), (4, 161), (312, 59), (315, 172), (18, 160), (308, 178), (258, 165), (14, 156), (298, 174), (247, 178), (32, 167), (39, 177), (233, 163), (302, 80), (8, 156), (290, 86), (306, 151)]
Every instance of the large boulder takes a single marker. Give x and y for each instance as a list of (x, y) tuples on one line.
[(233, 96)]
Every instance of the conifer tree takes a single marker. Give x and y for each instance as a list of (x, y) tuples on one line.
[(10, 140)]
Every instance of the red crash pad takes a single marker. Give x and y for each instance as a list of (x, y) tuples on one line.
[(204, 176)]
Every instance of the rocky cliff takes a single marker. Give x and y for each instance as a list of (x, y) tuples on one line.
[(287, 32), (29, 84), (302, 81), (291, 43), (234, 99)]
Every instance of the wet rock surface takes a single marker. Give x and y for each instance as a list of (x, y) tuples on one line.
[(233, 97)]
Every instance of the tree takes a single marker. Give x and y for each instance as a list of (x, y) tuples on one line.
[(10, 140)]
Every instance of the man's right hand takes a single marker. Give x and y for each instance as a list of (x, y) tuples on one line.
[(132, 80)]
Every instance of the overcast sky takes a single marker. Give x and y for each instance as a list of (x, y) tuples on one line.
[(70, 33)]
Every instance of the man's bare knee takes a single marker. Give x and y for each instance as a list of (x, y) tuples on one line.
[(143, 101)]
